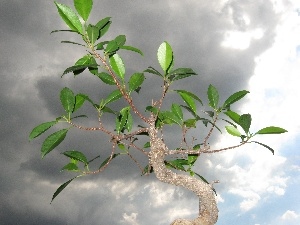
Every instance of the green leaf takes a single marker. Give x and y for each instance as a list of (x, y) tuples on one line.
[(100, 46), (67, 99), (41, 128), (79, 156), (147, 145), (70, 167), (78, 68), (120, 40), (71, 42), (192, 158), (153, 71), (79, 100), (70, 17), (152, 109), (52, 141), (190, 94), (165, 56), (234, 116), (189, 123), (62, 187), (233, 131), (177, 164), (181, 73), (106, 78), (188, 99), (245, 122), (103, 22), (266, 146), (113, 96), (123, 148), (85, 60), (271, 130), (117, 65), (129, 122), (121, 120), (176, 110), (135, 81), (213, 97), (173, 117), (111, 47), (107, 159), (234, 98), (133, 49), (93, 33), (83, 8), (103, 26)]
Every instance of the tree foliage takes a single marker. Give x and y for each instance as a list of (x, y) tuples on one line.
[(103, 59)]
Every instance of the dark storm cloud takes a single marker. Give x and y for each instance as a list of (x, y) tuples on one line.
[(32, 61)]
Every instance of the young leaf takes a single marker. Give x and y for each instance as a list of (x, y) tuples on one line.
[(130, 48), (113, 96), (234, 98), (70, 167), (67, 99), (176, 110), (271, 130), (233, 131), (79, 156), (117, 65), (106, 78), (52, 141), (135, 81), (213, 97), (266, 146), (70, 17), (245, 122), (83, 8), (62, 187), (93, 33), (165, 56), (38, 130)]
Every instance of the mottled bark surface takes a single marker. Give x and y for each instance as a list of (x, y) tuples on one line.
[(208, 211)]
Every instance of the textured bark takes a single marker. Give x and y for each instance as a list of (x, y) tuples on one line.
[(208, 211)]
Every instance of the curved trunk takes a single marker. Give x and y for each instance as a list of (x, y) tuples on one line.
[(208, 211)]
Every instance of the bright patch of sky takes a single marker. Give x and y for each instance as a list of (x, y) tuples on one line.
[(273, 100)]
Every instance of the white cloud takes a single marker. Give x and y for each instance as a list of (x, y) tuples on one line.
[(130, 219), (289, 215), (120, 188), (160, 195), (241, 40)]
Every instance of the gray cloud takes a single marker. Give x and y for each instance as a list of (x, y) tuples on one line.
[(32, 60)]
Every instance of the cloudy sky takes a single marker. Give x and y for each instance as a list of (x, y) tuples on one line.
[(232, 44)]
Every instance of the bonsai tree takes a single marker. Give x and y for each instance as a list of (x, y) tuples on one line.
[(102, 58)]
